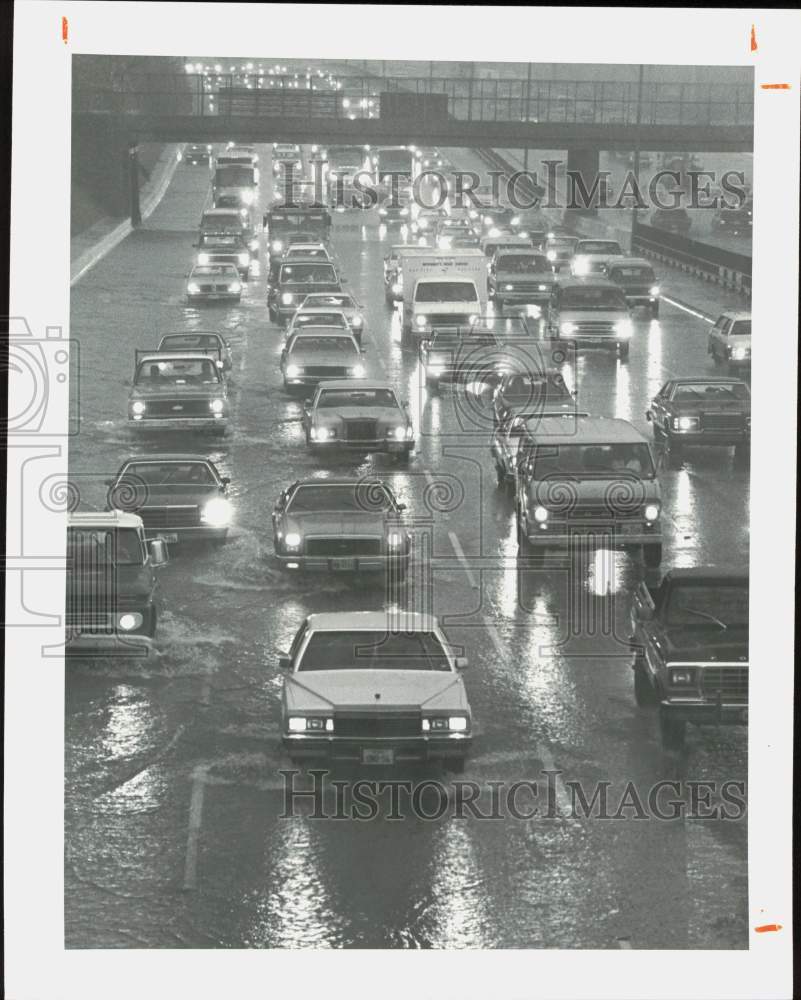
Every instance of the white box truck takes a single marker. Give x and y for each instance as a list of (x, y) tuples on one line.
[(443, 289)]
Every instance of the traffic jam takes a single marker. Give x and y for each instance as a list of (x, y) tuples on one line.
[(430, 494)]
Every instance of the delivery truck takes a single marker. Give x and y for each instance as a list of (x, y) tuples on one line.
[(442, 289)]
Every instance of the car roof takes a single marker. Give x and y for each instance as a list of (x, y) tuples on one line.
[(193, 333), (103, 519), (154, 459), (598, 239), (709, 378), (341, 481), (320, 331), (348, 621), (221, 211), (360, 385), (588, 430), (586, 282), (170, 356), (520, 251)]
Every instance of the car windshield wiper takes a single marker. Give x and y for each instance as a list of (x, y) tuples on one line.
[(707, 615)]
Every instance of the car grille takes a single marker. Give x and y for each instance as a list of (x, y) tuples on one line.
[(325, 371), (334, 547), (595, 328), (529, 287), (360, 430), (224, 258), (440, 320), (179, 409), (722, 421), (377, 724), (170, 517), (89, 622), (731, 682), (637, 290), (600, 512), (214, 288)]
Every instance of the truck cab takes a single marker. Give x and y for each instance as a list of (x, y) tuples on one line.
[(112, 599)]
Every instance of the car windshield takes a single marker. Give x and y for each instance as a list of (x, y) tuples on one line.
[(593, 460), (718, 605), (308, 273), (562, 246), (357, 498), (320, 319), (528, 386), (311, 252), (336, 301), (637, 273), (340, 398), (178, 371), (378, 650), (523, 264), (599, 246), (592, 297), (712, 391), (190, 342), (215, 271), (235, 175), (323, 345), (220, 240), (445, 291), (164, 473), (232, 220), (741, 328), (87, 547)]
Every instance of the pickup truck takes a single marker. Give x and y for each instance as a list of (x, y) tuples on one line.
[(690, 642), (112, 589)]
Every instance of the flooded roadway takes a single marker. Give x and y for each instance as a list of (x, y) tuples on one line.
[(174, 833)]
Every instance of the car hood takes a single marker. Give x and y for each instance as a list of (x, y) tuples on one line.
[(333, 358), (594, 492), (178, 392), (712, 406), (176, 495), (383, 413), (592, 315), (430, 689), (334, 523), (510, 277), (693, 644)]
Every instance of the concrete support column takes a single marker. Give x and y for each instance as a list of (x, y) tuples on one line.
[(584, 184), (133, 184)]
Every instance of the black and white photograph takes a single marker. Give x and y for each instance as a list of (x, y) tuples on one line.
[(388, 554)]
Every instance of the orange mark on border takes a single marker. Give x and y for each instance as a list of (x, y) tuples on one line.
[(753, 39), (65, 29), (768, 927), (775, 86)]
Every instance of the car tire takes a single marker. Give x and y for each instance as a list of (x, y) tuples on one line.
[(672, 731), (644, 693), (623, 351), (652, 554)]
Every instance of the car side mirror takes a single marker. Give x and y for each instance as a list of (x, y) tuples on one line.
[(225, 480), (284, 662), (648, 415), (158, 552), (401, 506), (460, 662)]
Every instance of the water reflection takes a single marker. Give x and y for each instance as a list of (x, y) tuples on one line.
[(459, 916)]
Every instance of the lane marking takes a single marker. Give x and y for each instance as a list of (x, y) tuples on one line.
[(563, 800), (495, 635), (195, 818), (685, 308), (457, 548)]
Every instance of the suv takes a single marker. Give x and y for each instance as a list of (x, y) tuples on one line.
[(174, 391), (689, 636), (520, 277), (591, 312), (730, 340), (294, 282), (637, 279), (112, 590), (591, 479)]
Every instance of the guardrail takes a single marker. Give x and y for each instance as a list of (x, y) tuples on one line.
[(723, 267)]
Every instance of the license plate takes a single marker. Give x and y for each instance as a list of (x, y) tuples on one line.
[(378, 756), (343, 564)]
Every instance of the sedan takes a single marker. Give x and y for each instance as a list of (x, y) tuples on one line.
[(339, 525), (344, 302), (702, 411), (314, 355), (213, 282), (365, 418), (364, 687)]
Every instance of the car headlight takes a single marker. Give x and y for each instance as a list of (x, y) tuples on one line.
[(358, 371), (292, 371), (494, 231), (651, 511), (216, 513), (246, 197), (508, 288), (398, 432), (738, 353), (243, 259), (540, 514), (296, 724), (542, 288), (292, 540), (421, 321), (523, 234), (444, 723), (322, 433), (397, 288), (551, 255), (404, 211), (382, 211), (515, 220), (394, 539), (473, 318), (457, 723), (202, 258), (243, 213), (624, 328), (254, 245), (235, 287), (217, 405), (332, 176), (581, 266), (276, 246), (287, 298), (487, 220), (138, 407), (681, 675), (129, 621), (685, 423), (653, 290), (357, 321), (193, 288), (434, 369), (568, 328)]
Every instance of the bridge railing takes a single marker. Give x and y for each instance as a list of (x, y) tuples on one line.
[(612, 102)]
